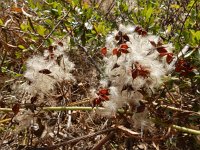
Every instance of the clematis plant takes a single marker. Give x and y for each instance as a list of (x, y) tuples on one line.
[(135, 63)]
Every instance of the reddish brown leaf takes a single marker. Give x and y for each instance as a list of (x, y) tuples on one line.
[(137, 28), (143, 33), (103, 92), (123, 46), (61, 44), (134, 73), (104, 98), (104, 51), (125, 36), (153, 43), (144, 73), (163, 54), (50, 49), (115, 66), (118, 36), (161, 49), (169, 58), (45, 71), (125, 51), (184, 68), (140, 31), (115, 51), (96, 101), (16, 108)]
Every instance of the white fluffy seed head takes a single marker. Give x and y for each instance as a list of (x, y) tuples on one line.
[(123, 69), (43, 72)]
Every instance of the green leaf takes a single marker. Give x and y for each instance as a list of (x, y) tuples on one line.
[(24, 27), (149, 13), (21, 46), (1, 22), (18, 55), (41, 30), (101, 28), (49, 22), (191, 3), (197, 35), (175, 6)]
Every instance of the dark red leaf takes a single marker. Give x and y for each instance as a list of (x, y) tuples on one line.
[(16, 108), (104, 98), (143, 73), (140, 31), (103, 92), (153, 43), (96, 101), (61, 44), (115, 66), (184, 68), (45, 71), (137, 28), (169, 58), (163, 54), (50, 49), (144, 33), (125, 51), (104, 51), (134, 73), (125, 36), (123, 46), (118, 36), (161, 49), (115, 50)]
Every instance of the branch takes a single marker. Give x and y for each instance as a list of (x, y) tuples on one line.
[(103, 141), (186, 130), (56, 108), (181, 110), (79, 138), (53, 29)]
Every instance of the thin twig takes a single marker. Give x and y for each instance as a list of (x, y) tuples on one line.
[(85, 51), (61, 108), (128, 131), (181, 110), (186, 130), (5, 120), (103, 141), (186, 19), (92, 60), (55, 27), (79, 138)]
